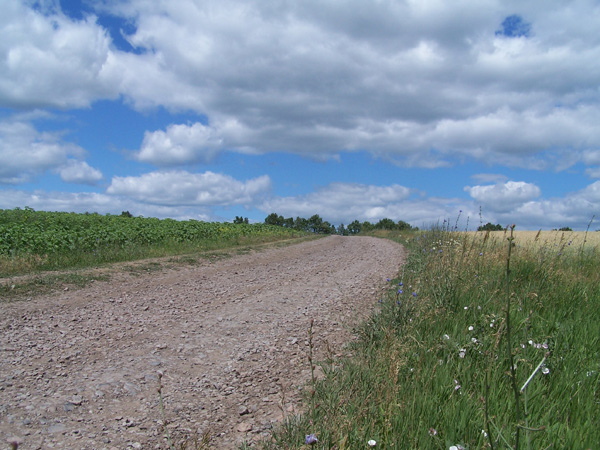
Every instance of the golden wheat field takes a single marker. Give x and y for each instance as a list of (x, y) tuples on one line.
[(557, 239)]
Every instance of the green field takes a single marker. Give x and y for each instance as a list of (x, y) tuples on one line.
[(480, 342), (32, 241)]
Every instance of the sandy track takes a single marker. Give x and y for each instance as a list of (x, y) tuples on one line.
[(79, 369)]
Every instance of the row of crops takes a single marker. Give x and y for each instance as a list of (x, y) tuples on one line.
[(25, 231)]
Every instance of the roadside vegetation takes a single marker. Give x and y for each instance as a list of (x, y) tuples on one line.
[(483, 340)]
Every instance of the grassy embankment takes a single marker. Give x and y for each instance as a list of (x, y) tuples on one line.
[(482, 341), (34, 243)]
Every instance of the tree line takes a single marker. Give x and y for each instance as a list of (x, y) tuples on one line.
[(315, 224)]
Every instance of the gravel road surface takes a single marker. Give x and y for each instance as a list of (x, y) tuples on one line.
[(79, 369)]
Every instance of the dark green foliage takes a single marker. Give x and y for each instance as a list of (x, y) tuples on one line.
[(316, 224), (490, 227), (240, 219)]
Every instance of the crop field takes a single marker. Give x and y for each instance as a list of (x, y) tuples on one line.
[(37, 240), (547, 239)]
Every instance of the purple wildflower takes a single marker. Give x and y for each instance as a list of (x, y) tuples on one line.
[(311, 439)]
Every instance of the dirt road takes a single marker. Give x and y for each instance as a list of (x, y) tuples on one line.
[(79, 369)]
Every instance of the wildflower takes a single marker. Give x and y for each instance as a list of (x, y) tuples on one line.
[(432, 432), (372, 443), (462, 353), (388, 280), (457, 386), (401, 284), (471, 328), (474, 340), (481, 254), (465, 308), (400, 291), (446, 337), (545, 371), (414, 294), (311, 439), (484, 433)]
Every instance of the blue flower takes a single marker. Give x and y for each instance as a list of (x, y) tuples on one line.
[(414, 294), (399, 291), (401, 284), (311, 439)]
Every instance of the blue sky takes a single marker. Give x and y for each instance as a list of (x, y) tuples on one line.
[(202, 109)]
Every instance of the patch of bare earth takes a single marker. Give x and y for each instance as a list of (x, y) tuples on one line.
[(79, 369)]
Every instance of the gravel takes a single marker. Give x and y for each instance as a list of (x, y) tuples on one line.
[(228, 339)]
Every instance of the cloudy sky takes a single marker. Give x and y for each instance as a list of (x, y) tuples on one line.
[(412, 110)]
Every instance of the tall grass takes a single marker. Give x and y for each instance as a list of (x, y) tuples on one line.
[(481, 342)]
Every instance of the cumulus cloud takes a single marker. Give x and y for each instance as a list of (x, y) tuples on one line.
[(424, 84), (101, 203), (180, 144), (51, 60), (171, 188), (26, 152), (345, 202), (79, 172), (503, 197)]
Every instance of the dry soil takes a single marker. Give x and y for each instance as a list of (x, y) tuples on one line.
[(80, 368)]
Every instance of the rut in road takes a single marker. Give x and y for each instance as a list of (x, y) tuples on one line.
[(80, 369)]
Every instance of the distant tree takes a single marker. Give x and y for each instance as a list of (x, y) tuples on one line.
[(366, 227), (565, 229), (402, 225), (288, 222), (274, 219), (240, 219), (342, 230), (301, 224), (126, 214), (490, 227), (315, 224), (385, 224), (354, 227)]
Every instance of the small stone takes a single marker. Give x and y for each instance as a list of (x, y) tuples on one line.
[(243, 410), (68, 406), (56, 428), (244, 427)]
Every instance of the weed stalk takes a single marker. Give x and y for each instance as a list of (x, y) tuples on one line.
[(513, 375)]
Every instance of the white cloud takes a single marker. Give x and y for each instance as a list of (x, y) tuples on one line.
[(97, 202), (345, 202), (503, 197), (423, 83), (180, 144), (79, 172), (172, 188), (50, 60), (26, 152)]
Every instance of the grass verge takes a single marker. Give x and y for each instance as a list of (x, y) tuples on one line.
[(29, 276), (481, 342)]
